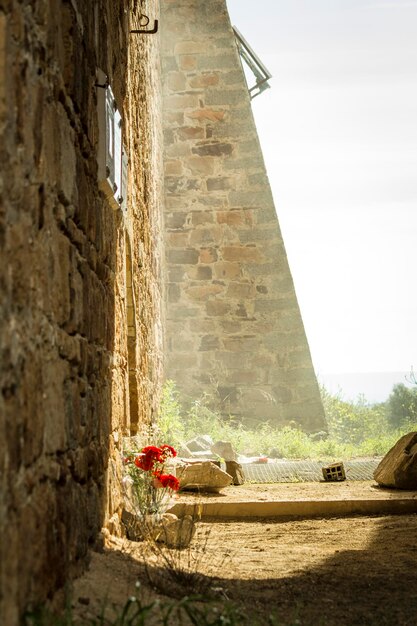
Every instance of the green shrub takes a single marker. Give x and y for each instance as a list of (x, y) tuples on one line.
[(402, 406), (354, 429)]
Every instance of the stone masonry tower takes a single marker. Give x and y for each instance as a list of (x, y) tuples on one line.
[(233, 322)]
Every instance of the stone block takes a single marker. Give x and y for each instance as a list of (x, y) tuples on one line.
[(200, 165), (169, 64), (250, 199), (246, 377), (174, 118), (179, 311), (185, 133), (207, 79), (203, 292), (203, 326), (231, 360), (208, 255), (209, 342), (183, 257), (176, 150), (201, 272), (202, 217), (224, 269), (233, 96), (187, 62), (206, 113), (205, 476), (213, 149), (188, 47), (224, 450), (178, 240), (174, 292), (176, 220), (206, 236), (173, 168), (242, 254), (235, 217), (245, 343), (176, 81), (398, 468), (181, 102), (201, 443), (240, 291), (176, 533), (181, 184), (235, 470), (217, 308), (220, 62), (219, 184)]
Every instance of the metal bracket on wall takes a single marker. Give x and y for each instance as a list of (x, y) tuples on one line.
[(253, 62), (151, 31)]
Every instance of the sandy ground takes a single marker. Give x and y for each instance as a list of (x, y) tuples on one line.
[(346, 490), (330, 572)]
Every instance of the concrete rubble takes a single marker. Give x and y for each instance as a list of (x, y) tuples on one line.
[(224, 450), (174, 532), (235, 470), (398, 468), (202, 476)]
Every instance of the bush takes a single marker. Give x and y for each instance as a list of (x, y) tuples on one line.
[(402, 406), (354, 429)]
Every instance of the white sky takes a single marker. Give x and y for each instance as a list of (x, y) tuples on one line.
[(339, 135)]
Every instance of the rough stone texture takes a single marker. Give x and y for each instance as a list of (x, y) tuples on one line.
[(204, 476), (398, 468), (80, 326), (227, 266), (224, 450), (235, 470)]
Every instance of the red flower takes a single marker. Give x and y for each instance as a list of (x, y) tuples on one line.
[(148, 457), (168, 451), (144, 462), (153, 452), (170, 481)]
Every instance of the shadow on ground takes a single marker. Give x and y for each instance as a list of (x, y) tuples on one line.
[(375, 585)]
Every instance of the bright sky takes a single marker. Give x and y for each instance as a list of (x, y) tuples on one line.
[(339, 135)]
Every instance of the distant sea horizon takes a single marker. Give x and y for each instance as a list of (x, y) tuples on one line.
[(375, 386)]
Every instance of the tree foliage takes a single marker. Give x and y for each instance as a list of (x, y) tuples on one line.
[(401, 406)]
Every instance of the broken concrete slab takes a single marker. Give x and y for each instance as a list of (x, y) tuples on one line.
[(200, 443), (224, 450), (203, 476), (235, 470), (398, 468)]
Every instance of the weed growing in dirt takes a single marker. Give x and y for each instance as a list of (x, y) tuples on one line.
[(193, 610), (178, 571)]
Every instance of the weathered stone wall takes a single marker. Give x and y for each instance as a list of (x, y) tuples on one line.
[(80, 320), (233, 318)]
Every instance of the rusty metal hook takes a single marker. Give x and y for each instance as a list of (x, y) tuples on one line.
[(143, 17), (144, 31)]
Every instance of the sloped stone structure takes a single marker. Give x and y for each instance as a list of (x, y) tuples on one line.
[(233, 319)]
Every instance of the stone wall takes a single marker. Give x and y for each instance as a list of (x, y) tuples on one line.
[(80, 318), (234, 325)]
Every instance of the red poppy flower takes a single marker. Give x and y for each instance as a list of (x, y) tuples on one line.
[(168, 451), (153, 452), (144, 462), (170, 481)]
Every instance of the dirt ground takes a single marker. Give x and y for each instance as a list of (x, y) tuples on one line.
[(330, 572)]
